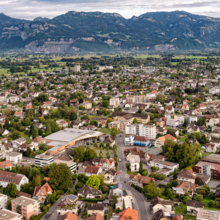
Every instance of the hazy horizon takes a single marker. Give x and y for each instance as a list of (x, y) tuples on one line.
[(30, 9)]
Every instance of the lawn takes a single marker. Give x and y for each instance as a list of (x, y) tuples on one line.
[(25, 136), (131, 173), (183, 138), (105, 130), (181, 209)]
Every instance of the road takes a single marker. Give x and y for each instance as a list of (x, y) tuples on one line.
[(140, 203)]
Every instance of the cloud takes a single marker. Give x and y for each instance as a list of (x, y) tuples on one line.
[(29, 9)]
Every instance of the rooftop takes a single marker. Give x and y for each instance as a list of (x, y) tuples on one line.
[(205, 214), (24, 201)]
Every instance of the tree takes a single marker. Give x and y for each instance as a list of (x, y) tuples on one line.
[(198, 197), (28, 152), (89, 154), (33, 173), (60, 177), (144, 173), (151, 190), (171, 194), (101, 178), (37, 181), (114, 131), (73, 116), (15, 135), (48, 129), (93, 182), (43, 97), (105, 103), (141, 167), (78, 153), (11, 190), (34, 131), (135, 121)]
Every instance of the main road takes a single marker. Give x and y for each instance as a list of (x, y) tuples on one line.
[(140, 203)]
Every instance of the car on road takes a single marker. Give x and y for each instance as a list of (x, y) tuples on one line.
[(124, 181), (119, 160), (120, 171)]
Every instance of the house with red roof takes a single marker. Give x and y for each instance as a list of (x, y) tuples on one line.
[(41, 192), (93, 170), (129, 214), (161, 140)]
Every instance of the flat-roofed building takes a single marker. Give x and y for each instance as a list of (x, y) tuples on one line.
[(164, 164), (205, 214), (14, 157), (6, 214), (70, 164), (3, 201), (43, 159), (25, 206), (68, 137)]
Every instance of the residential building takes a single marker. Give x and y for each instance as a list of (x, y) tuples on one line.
[(43, 159), (139, 180), (6, 165), (115, 102), (6, 214), (161, 140), (205, 214), (148, 130), (117, 190), (129, 214), (185, 187), (72, 165), (95, 208), (157, 204), (25, 206), (110, 176), (3, 201), (134, 161), (89, 192), (69, 203), (14, 157), (93, 170), (208, 168), (194, 206), (95, 216), (164, 164), (9, 177), (121, 116), (41, 192)]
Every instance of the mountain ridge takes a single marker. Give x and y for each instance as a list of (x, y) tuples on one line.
[(98, 31)]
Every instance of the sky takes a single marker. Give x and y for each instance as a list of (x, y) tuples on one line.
[(30, 9)]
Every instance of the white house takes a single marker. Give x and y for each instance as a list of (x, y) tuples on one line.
[(134, 161), (16, 178), (14, 157), (3, 201), (164, 164), (117, 190)]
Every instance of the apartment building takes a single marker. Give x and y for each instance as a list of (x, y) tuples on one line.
[(164, 164), (16, 178), (115, 102), (6, 214), (148, 130), (3, 201), (43, 159), (25, 206), (14, 157), (119, 125)]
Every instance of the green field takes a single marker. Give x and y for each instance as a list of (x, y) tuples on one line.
[(105, 130)]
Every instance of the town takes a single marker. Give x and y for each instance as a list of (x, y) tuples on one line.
[(110, 137)]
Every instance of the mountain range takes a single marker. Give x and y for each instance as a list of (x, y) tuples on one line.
[(97, 31)]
